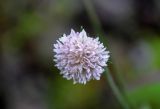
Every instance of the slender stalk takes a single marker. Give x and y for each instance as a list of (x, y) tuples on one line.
[(115, 90), (98, 28), (96, 24), (93, 17)]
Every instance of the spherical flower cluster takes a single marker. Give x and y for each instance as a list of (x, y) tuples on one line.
[(80, 57)]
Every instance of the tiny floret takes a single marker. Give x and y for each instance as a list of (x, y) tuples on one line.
[(80, 57)]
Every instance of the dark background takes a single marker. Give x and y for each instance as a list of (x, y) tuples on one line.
[(28, 28)]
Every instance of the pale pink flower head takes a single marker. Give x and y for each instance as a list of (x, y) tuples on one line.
[(80, 57)]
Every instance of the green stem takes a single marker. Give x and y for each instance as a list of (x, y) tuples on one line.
[(98, 28), (96, 24), (116, 91), (92, 15)]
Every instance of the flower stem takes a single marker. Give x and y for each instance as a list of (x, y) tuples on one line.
[(116, 90), (98, 28)]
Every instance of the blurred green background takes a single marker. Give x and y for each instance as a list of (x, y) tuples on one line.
[(29, 28)]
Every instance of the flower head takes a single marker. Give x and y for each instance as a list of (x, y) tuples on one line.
[(80, 57)]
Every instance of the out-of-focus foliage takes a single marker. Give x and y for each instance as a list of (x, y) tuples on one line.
[(155, 45), (146, 95), (29, 25)]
